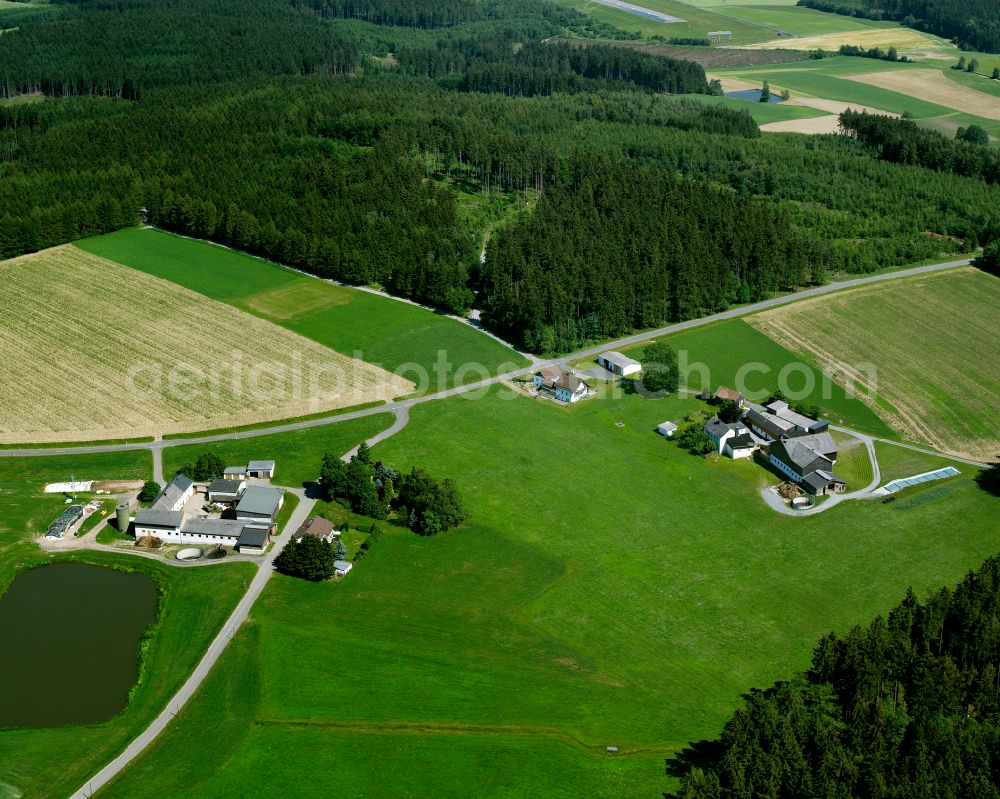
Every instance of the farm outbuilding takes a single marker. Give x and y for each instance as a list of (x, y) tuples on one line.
[(619, 364), (666, 429), (259, 503)]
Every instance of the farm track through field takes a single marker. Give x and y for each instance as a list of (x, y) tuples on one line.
[(457, 728)]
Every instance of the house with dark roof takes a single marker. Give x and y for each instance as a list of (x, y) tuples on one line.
[(175, 494), (561, 384), (619, 364), (253, 540), (225, 491), (260, 503), (724, 434), (804, 465)]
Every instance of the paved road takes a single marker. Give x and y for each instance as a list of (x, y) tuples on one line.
[(405, 405), (218, 646)]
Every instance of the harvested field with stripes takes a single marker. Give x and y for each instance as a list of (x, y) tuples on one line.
[(94, 350), (921, 352)]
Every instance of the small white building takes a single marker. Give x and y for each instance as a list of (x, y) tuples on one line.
[(619, 364), (342, 567), (666, 429)]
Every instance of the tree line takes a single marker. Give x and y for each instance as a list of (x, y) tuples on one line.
[(974, 24), (901, 141), (905, 708), (611, 248)]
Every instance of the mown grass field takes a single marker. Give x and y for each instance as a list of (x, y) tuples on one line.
[(297, 454), (55, 761), (607, 590), (81, 365), (397, 336), (802, 22), (717, 354), (697, 21), (932, 343)]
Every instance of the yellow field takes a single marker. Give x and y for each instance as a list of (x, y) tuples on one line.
[(931, 85), (93, 350), (904, 39), (932, 343)]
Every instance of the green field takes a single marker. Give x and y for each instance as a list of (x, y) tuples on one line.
[(724, 348), (853, 463), (55, 761), (386, 332), (573, 612), (297, 454), (697, 21), (799, 21), (896, 462)]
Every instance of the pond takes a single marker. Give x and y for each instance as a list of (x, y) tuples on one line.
[(70, 640)]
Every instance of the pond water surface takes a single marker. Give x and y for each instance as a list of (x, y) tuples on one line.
[(69, 638)]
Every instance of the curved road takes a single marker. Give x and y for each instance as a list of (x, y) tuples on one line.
[(404, 405)]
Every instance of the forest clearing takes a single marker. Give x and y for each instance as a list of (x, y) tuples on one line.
[(95, 350)]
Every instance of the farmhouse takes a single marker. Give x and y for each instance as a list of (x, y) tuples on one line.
[(724, 394), (804, 465), (259, 503), (175, 494), (318, 527), (619, 364), (723, 433), (561, 384), (225, 491), (666, 429)]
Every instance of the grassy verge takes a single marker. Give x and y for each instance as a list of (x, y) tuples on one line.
[(278, 422), (95, 518), (287, 509), (63, 444), (297, 454)]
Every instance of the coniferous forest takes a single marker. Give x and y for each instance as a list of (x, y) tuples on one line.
[(335, 136), (905, 708), (974, 24)]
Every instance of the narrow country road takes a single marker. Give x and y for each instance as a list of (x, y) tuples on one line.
[(404, 405), (217, 647)]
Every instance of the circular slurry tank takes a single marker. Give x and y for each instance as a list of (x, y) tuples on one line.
[(189, 553), (801, 503)]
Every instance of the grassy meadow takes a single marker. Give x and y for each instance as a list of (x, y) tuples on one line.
[(719, 353), (572, 612), (54, 761), (394, 335), (297, 454), (924, 349), (697, 21)]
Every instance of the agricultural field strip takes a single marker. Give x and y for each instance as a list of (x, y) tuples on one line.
[(78, 345), (481, 385), (938, 391), (933, 86)]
